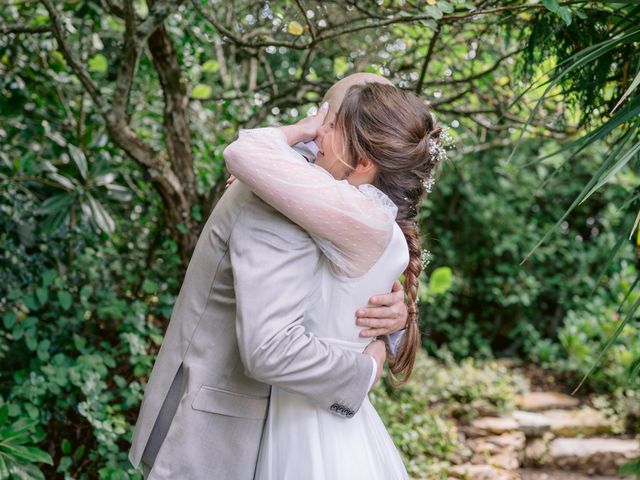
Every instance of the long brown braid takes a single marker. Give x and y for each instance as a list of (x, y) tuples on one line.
[(396, 131)]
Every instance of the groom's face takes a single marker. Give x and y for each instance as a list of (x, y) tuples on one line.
[(329, 140)]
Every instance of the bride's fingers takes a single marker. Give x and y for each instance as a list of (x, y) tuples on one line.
[(318, 118), (322, 111)]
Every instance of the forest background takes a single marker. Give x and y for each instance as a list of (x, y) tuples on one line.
[(113, 118)]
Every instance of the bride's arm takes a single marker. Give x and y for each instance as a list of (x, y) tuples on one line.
[(355, 225)]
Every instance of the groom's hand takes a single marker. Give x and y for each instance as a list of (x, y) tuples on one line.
[(378, 351), (387, 315)]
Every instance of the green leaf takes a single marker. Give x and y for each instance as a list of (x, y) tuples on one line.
[(65, 447), (15, 294), (201, 91), (434, 12), (30, 454), (607, 346), (430, 24), (551, 5), (86, 291), (565, 15), (149, 287), (4, 414), (100, 216), (440, 280), (632, 87), (18, 332), (43, 295), (66, 183), (57, 203), (630, 468), (32, 341), (9, 319), (606, 178), (98, 63), (43, 355), (4, 471), (210, 66), (80, 160), (64, 299), (196, 212), (446, 7), (340, 66), (48, 277)]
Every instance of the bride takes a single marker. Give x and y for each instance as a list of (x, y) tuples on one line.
[(358, 202)]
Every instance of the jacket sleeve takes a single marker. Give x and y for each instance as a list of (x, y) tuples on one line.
[(273, 262), (352, 225)]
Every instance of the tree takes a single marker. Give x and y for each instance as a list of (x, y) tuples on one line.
[(120, 53)]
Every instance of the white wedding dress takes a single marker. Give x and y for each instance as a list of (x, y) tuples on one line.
[(364, 253)]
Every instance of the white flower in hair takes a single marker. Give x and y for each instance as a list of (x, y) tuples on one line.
[(428, 183), (425, 258), (438, 149)]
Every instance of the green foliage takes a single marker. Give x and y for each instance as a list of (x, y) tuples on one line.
[(18, 459), (82, 322), (581, 339), (84, 248), (419, 415), (622, 406), (483, 217), (631, 468)]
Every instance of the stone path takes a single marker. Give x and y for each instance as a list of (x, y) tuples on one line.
[(550, 437), (529, 474)]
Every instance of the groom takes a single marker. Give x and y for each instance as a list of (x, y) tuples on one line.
[(237, 328)]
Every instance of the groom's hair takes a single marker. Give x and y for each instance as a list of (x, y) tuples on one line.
[(336, 93)]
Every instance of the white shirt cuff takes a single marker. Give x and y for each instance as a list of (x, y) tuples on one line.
[(373, 373), (394, 341)]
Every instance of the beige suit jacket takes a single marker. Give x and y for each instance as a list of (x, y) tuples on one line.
[(236, 328)]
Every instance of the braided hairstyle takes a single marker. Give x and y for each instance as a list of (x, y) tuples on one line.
[(397, 132)]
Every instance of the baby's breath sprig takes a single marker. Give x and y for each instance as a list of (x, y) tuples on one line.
[(425, 258), (438, 152)]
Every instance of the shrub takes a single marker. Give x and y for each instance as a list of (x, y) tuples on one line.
[(420, 414), (81, 320)]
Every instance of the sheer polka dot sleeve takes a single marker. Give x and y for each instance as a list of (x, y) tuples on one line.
[(352, 225)]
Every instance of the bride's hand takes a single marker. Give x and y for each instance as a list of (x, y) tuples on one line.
[(307, 128)]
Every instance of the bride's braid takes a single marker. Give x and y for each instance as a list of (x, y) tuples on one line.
[(398, 133)]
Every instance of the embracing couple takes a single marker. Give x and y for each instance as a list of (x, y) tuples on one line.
[(265, 367)]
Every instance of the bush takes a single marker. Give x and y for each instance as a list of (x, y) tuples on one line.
[(82, 316), (483, 217), (585, 331), (420, 414)]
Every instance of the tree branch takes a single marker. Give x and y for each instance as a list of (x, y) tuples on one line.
[(351, 26), (136, 37), (176, 108), (76, 66), (475, 76), (312, 31), (427, 59), (16, 29)]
